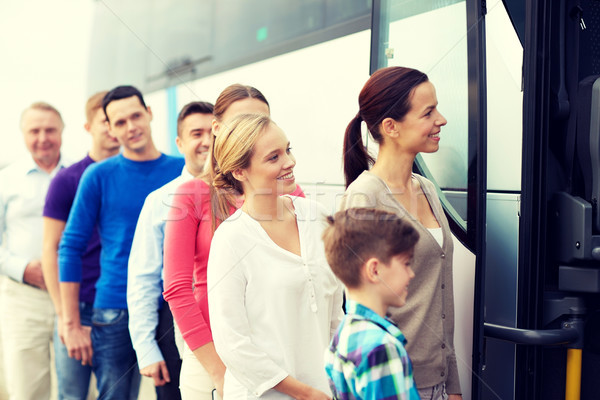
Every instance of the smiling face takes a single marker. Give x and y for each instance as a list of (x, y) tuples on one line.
[(419, 130), (395, 277), (195, 141), (42, 131), (271, 169), (129, 123)]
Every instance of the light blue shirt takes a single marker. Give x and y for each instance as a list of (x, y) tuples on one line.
[(145, 275), (23, 187)]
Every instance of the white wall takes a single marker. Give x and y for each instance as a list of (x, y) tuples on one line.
[(44, 47)]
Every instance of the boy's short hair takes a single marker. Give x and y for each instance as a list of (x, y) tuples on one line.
[(357, 234)]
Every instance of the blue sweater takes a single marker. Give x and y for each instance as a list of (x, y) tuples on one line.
[(111, 195)]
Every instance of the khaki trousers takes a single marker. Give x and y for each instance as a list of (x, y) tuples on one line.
[(27, 317)]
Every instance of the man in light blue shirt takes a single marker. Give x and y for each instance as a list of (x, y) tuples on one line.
[(150, 320), (26, 310)]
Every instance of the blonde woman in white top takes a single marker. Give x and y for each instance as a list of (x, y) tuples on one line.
[(273, 301)]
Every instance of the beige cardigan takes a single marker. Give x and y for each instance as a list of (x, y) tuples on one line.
[(427, 319)]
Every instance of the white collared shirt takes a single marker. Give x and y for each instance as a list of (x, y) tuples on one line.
[(23, 187), (272, 312), (145, 271)]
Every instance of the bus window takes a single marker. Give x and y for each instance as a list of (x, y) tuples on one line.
[(432, 36)]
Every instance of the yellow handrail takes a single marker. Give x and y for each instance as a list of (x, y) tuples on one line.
[(573, 389)]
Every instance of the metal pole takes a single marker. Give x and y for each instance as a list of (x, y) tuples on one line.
[(573, 389)]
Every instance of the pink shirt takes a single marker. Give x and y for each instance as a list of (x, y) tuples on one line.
[(188, 233)]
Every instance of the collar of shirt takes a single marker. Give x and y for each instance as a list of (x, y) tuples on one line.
[(357, 309), (28, 165), (185, 174)]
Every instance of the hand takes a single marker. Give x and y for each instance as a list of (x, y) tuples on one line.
[(299, 390), (158, 372), (59, 328), (79, 343), (455, 397), (208, 357), (219, 380), (314, 394), (33, 275)]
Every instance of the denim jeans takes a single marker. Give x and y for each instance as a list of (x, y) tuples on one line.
[(165, 336), (73, 378), (114, 361)]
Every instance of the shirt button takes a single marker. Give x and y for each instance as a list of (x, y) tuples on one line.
[(443, 255), (443, 346), (443, 286), (443, 316), (443, 373)]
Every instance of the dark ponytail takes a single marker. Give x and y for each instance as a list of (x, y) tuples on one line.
[(356, 156), (387, 94)]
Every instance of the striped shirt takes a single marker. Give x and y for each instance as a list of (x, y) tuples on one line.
[(366, 358)]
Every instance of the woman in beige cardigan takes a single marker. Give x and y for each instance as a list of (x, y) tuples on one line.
[(399, 108)]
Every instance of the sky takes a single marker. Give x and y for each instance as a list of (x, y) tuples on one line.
[(44, 47)]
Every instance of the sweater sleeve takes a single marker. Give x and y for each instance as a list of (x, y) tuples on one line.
[(356, 198), (79, 227), (181, 232), (453, 381), (298, 192), (59, 198)]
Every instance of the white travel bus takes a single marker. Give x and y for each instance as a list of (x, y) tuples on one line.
[(507, 77)]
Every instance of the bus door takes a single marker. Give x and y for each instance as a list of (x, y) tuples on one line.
[(551, 338)]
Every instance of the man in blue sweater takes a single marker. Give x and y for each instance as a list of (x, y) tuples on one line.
[(110, 196)]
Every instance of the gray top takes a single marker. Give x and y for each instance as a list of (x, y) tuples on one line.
[(427, 318)]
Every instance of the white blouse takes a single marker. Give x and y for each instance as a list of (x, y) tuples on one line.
[(272, 312), (437, 235)]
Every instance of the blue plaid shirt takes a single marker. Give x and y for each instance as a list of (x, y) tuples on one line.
[(367, 360)]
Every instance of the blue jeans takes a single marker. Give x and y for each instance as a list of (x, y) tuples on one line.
[(73, 378), (114, 361), (165, 336)]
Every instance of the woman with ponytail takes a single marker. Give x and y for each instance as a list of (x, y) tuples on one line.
[(399, 108), (196, 211), (274, 302)]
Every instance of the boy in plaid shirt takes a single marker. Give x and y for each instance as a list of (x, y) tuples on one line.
[(370, 252)]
